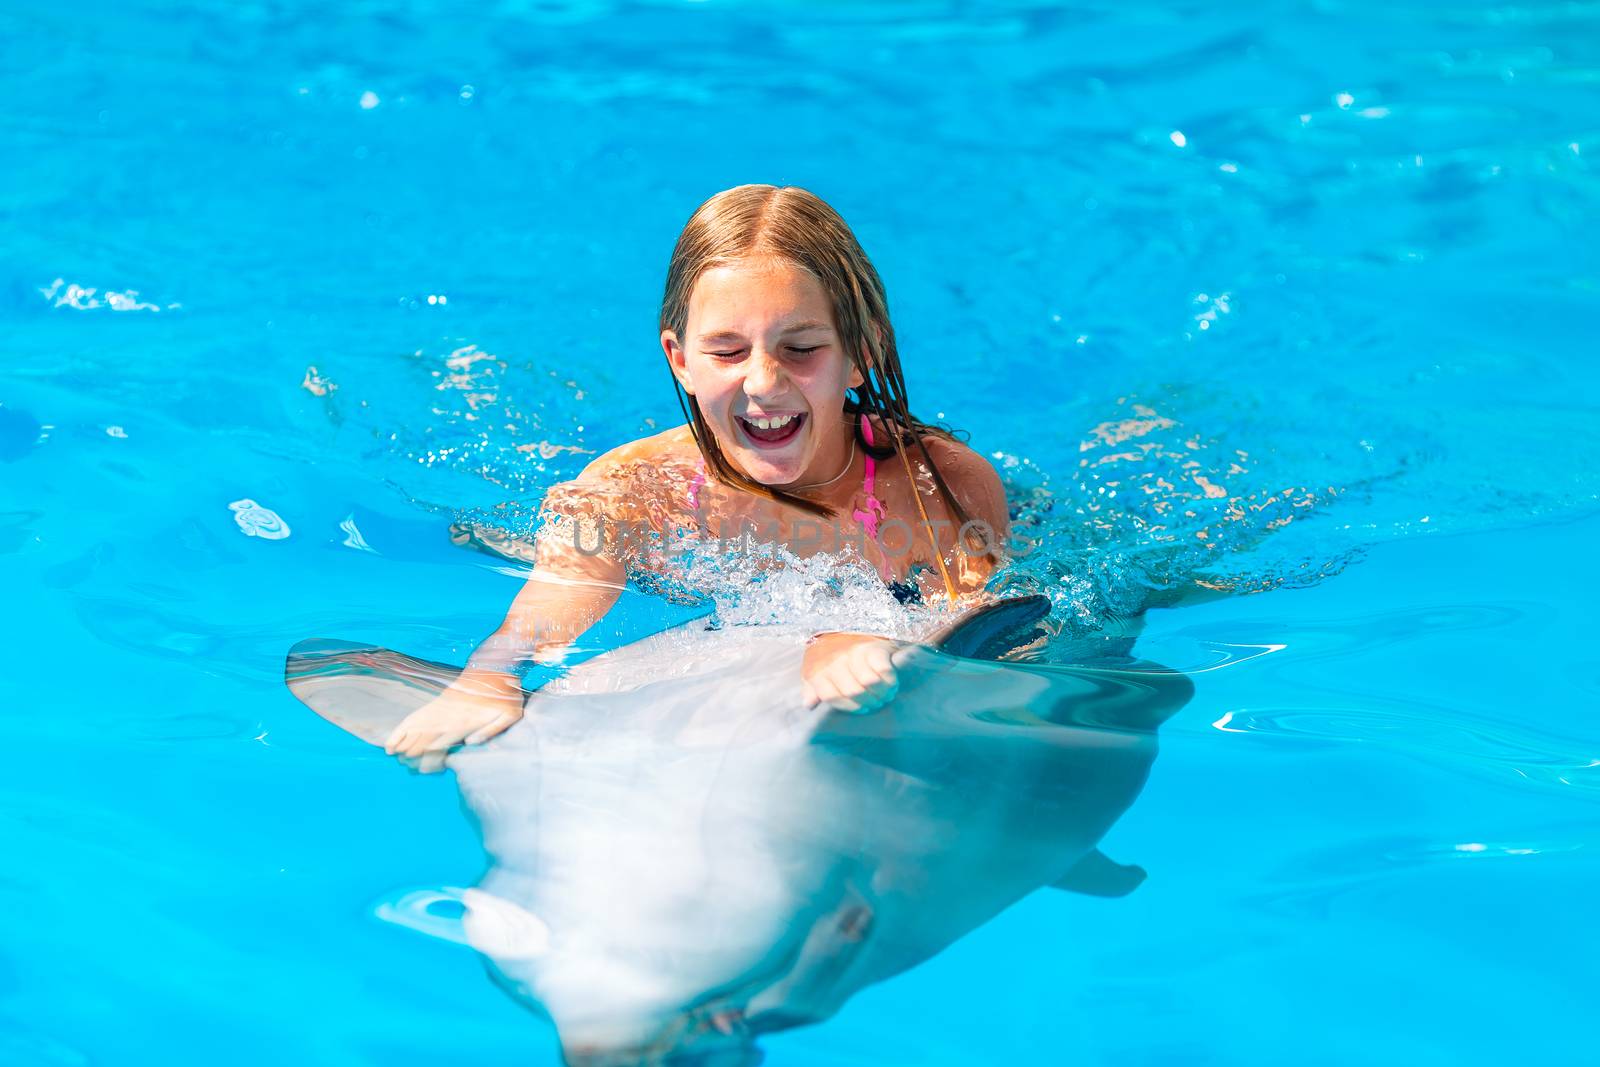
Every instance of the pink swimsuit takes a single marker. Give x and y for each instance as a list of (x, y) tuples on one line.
[(868, 517)]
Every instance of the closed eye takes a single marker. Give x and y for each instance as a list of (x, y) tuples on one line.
[(792, 348)]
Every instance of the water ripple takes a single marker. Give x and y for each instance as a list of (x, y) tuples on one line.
[(1312, 884), (1445, 736), (1340, 638)]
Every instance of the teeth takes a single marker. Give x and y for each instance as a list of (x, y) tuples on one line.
[(776, 423)]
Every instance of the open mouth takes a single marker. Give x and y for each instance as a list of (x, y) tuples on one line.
[(770, 431)]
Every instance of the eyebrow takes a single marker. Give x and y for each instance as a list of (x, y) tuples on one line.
[(733, 335)]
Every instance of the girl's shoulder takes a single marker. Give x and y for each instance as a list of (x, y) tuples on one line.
[(640, 484), (666, 450), (941, 445), (645, 481), (958, 455), (970, 476)]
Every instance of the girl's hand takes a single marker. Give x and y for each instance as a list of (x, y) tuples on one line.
[(467, 714), (851, 672)]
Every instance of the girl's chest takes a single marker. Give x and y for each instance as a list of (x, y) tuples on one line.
[(885, 528)]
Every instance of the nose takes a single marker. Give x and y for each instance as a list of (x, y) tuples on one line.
[(763, 375)]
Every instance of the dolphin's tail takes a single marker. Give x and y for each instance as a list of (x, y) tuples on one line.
[(364, 690)]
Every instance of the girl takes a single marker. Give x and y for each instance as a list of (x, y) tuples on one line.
[(776, 329)]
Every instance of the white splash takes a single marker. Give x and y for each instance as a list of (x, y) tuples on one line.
[(87, 298), (257, 521)]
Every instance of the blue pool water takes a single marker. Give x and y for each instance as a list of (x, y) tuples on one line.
[(1300, 298)]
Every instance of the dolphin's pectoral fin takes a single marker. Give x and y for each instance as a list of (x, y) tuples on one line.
[(364, 690), (1098, 875), (809, 990)]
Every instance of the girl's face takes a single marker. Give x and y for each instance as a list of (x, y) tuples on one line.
[(761, 356)]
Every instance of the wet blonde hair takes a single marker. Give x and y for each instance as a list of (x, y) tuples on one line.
[(755, 222)]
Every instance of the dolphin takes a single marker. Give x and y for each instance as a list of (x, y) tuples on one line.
[(683, 857)]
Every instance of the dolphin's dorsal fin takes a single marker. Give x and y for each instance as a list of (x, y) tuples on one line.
[(1099, 875), (990, 631)]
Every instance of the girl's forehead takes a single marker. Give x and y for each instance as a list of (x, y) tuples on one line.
[(761, 287)]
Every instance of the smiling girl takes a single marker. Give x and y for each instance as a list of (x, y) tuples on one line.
[(776, 329)]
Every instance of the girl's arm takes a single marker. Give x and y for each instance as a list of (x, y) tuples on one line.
[(549, 614), (570, 590)]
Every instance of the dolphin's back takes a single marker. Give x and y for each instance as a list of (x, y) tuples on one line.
[(708, 855), (367, 690)]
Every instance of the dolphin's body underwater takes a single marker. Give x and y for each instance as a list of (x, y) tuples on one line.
[(683, 856)]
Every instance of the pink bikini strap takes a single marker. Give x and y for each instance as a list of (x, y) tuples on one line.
[(869, 482), (873, 513), (695, 486)]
